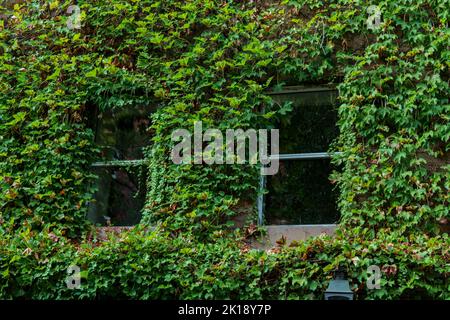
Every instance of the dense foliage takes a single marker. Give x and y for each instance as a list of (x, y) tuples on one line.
[(142, 265), (213, 60)]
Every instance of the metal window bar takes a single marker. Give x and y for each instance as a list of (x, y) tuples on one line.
[(119, 163), (298, 90), (287, 156)]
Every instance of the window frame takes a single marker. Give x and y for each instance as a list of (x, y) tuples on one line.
[(293, 156), (108, 164), (263, 180)]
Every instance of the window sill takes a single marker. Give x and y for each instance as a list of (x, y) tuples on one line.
[(292, 233)]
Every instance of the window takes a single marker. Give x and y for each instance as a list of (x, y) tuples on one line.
[(300, 194), (121, 136)]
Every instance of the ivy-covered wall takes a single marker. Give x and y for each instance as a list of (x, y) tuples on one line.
[(214, 61)]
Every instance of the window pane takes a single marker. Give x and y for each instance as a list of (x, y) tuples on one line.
[(120, 196), (301, 193), (123, 133), (311, 125)]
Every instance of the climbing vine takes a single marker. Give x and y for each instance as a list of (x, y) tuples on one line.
[(214, 61)]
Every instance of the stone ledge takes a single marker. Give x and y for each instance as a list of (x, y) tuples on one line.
[(291, 233)]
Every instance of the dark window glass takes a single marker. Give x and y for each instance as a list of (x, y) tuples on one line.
[(121, 134), (120, 196), (301, 193), (311, 125)]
